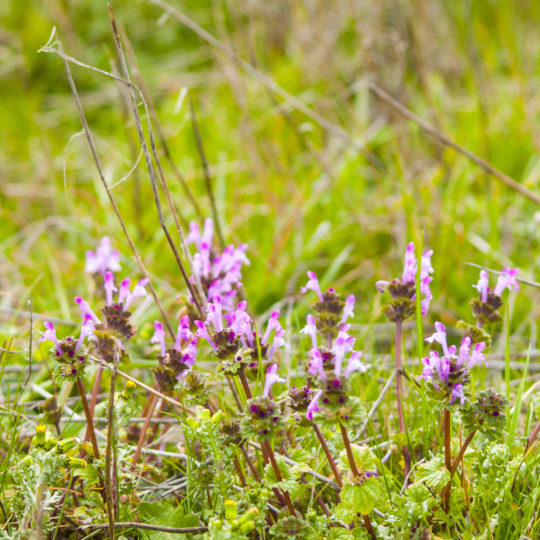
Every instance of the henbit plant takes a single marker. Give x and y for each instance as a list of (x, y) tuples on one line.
[(250, 462)]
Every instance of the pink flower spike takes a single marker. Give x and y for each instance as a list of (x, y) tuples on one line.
[(339, 349), (50, 335), (184, 333), (273, 324), (483, 285), (159, 337), (440, 337), (348, 310), (103, 259), (354, 364), (271, 378), (277, 343), (409, 270), (311, 330), (458, 394), (507, 280), (138, 291), (86, 310), (313, 406), (124, 291), (87, 331), (194, 235), (316, 366), (477, 356), (313, 285), (109, 287), (464, 351)]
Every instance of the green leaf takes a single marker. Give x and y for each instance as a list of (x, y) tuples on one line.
[(165, 514), (364, 458), (361, 499), (433, 473)]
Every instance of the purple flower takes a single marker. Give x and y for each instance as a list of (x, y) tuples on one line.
[(354, 364), (313, 285), (458, 394), (220, 273), (316, 366), (50, 335), (103, 259), (159, 337), (449, 373), (271, 378), (313, 406), (87, 331), (348, 310), (398, 286), (125, 296), (483, 285), (86, 310), (109, 287), (507, 280), (440, 337), (311, 330)]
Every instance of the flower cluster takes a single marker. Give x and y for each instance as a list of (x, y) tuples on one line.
[(69, 353), (263, 415), (486, 414), (403, 289), (489, 301), (220, 274), (234, 340), (115, 313), (448, 375), (103, 259), (331, 364), (177, 360)]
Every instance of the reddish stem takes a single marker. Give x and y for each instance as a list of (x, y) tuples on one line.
[(447, 426), (399, 392), (329, 457)]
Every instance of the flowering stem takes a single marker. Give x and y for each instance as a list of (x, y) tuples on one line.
[(89, 418), (447, 427), (245, 385), (93, 399), (151, 402), (329, 457), (348, 449), (399, 391), (111, 510), (239, 471), (456, 461), (251, 466), (533, 435), (286, 496)]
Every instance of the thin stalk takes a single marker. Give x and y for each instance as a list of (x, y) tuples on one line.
[(533, 435), (101, 174), (399, 391), (234, 392), (348, 449), (356, 473), (149, 164), (93, 399), (272, 457), (250, 463), (111, 510), (245, 385), (329, 457), (447, 427), (151, 402), (456, 462), (89, 419), (239, 471)]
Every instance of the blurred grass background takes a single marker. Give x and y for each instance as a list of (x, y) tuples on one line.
[(296, 194)]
